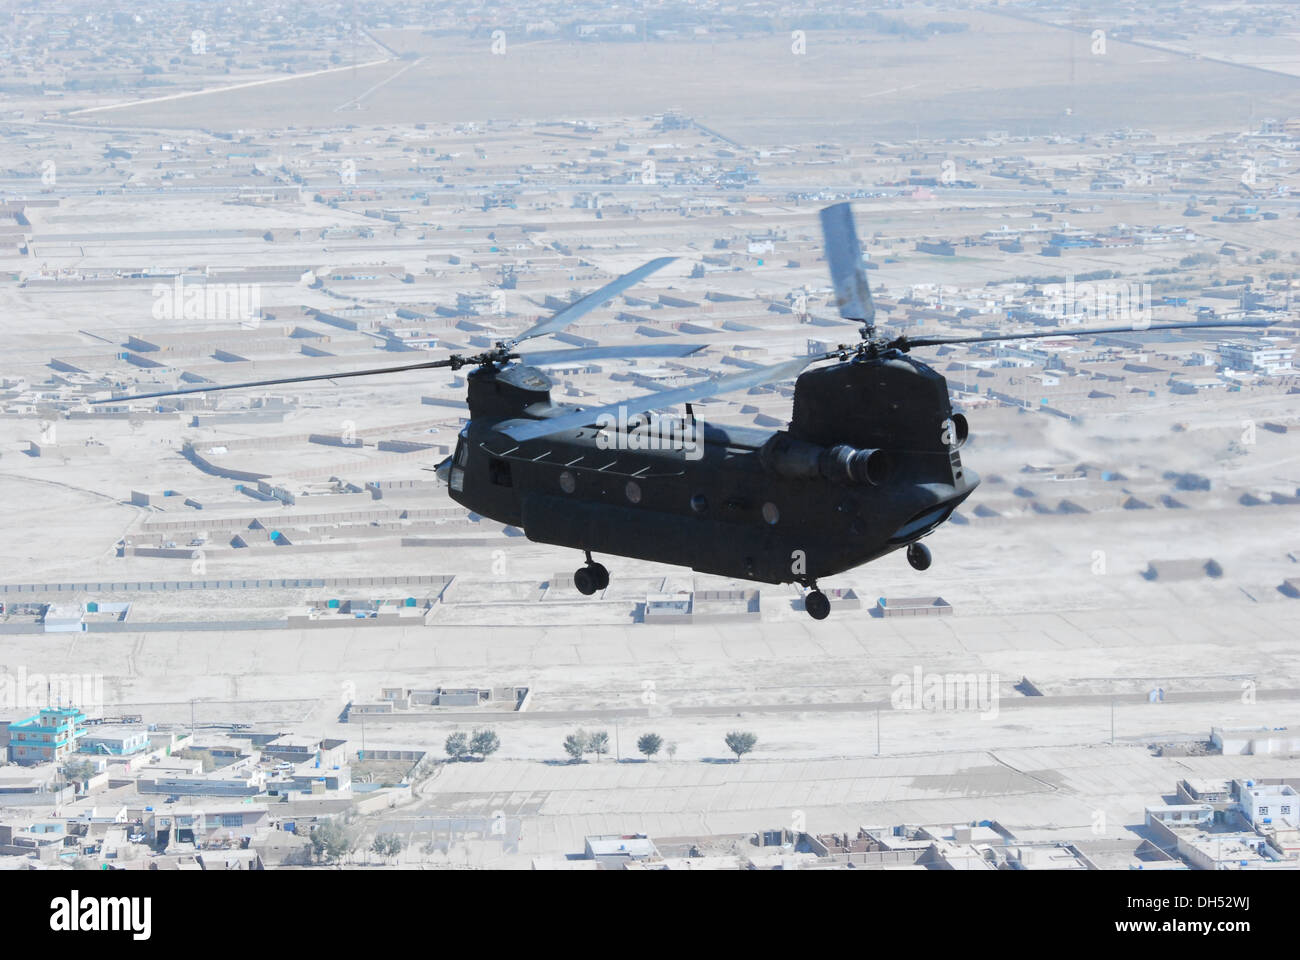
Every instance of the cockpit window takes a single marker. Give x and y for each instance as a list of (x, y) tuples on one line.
[(921, 523)]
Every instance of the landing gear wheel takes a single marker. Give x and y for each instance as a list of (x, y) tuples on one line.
[(918, 555), (591, 578), (584, 578), (817, 604)]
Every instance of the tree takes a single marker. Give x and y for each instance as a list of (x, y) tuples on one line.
[(649, 743), (332, 841), (387, 845), (671, 749), (78, 771), (598, 743), (575, 744), (320, 840), (741, 743), (484, 743), (457, 745)]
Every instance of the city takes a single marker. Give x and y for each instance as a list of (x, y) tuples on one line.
[(252, 630)]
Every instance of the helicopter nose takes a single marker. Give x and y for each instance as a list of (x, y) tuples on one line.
[(946, 499)]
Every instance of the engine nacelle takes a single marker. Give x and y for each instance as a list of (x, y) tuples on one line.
[(799, 460)]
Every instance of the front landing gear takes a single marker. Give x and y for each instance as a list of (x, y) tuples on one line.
[(590, 578), (817, 604), (918, 555)]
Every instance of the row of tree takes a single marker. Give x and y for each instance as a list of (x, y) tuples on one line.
[(483, 743), (579, 743)]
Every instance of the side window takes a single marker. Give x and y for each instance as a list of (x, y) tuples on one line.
[(462, 452)]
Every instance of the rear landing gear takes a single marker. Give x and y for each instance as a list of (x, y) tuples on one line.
[(590, 578), (817, 604), (918, 555)]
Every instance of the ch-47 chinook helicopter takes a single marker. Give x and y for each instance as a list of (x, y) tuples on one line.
[(868, 464)]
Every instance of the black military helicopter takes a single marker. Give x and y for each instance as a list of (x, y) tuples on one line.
[(868, 464)]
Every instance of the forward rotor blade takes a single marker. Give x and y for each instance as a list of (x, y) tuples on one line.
[(591, 301), (906, 343), (844, 255), (210, 388), (541, 358), (529, 429)]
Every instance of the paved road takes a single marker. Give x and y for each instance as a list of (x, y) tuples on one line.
[(842, 706)]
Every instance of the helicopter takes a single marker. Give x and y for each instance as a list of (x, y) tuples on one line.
[(868, 464)]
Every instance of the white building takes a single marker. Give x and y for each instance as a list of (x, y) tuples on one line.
[(114, 740), (1271, 805), (1242, 355), (1229, 851), (1255, 741)]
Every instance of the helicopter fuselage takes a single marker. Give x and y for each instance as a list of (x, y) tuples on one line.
[(868, 465)]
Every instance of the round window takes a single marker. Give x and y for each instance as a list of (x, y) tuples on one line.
[(699, 503), (567, 483), (771, 514), (633, 491)]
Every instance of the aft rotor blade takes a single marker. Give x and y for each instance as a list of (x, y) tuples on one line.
[(844, 254), (906, 343), (212, 387), (591, 301), (541, 358), (529, 429)]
